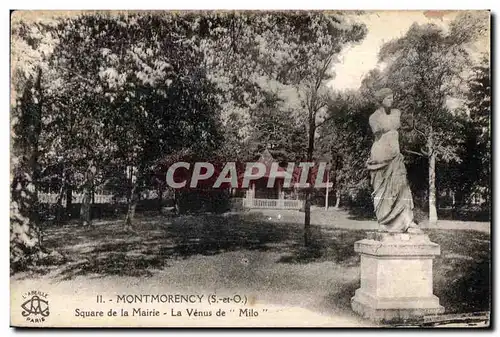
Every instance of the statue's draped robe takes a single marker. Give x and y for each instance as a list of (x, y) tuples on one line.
[(392, 196)]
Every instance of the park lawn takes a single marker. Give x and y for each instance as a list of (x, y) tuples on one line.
[(250, 253)]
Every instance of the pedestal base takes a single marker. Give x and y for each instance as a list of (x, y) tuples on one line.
[(396, 277)]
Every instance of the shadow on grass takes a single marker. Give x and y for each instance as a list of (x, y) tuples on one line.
[(361, 213), (462, 277), (106, 249), (327, 245)]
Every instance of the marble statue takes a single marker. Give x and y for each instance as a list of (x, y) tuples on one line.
[(392, 196)]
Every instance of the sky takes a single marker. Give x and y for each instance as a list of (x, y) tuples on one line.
[(356, 61)]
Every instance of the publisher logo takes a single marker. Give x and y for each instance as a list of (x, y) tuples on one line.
[(35, 306)]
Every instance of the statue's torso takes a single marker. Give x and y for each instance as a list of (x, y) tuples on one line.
[(385, 128)]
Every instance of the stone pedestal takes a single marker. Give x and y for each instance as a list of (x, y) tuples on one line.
[(396, 277)]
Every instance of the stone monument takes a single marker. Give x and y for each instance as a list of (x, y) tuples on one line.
[(396, 261)]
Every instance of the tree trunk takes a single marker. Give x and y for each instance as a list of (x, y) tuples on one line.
[(307, 219), (432, 184), (337, 200), (176, 199), (60, 194), (25, 233), (307, 206), (69, 200), (60, 209), (338, 191), (327, 191), (85, 214), (129, 219), (134, 198), (160, 199), (85, 208)]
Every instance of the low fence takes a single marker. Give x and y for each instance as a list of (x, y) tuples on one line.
[(273, 203), (51, 198), (76, 198)]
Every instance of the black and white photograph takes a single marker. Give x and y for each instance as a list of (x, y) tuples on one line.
[(250, 168)]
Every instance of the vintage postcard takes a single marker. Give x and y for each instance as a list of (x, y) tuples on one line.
[(250, 169)]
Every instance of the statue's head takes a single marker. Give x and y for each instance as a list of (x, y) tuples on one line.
[(385, 97)]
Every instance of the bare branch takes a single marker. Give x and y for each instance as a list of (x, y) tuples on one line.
[(419, 131), (416, 153), (325, 120), (425, 152)]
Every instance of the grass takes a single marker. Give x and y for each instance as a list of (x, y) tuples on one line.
[(462, 273), (461, 276)]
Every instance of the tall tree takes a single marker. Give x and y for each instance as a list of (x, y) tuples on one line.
[(273, 129), (292, 54), (425, 67), (346, 136), (31, 46), (24, 230), (299, 51), (144, 92), (288, 53), (476, 166)]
